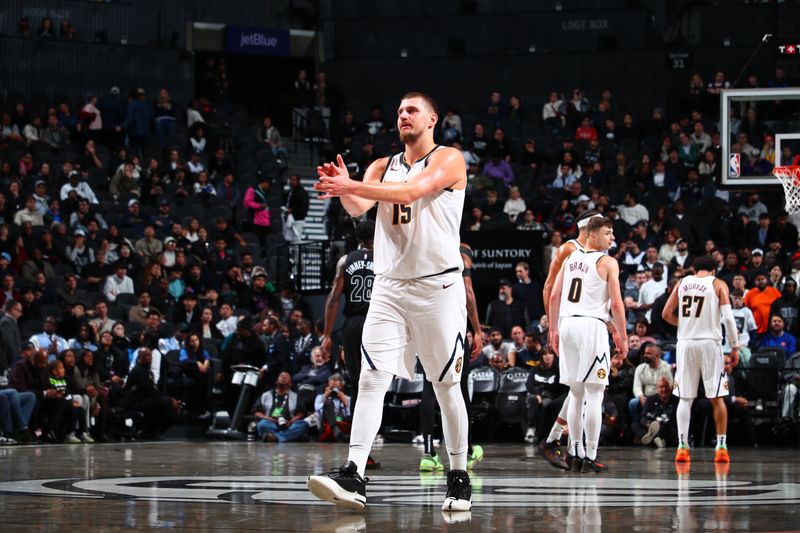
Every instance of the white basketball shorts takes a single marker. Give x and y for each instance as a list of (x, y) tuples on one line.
[(423, 317), (584, 350), (700, 359)]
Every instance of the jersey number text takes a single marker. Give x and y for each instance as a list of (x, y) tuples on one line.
[(687, 302), (574, 294), (401, 214), (362, 288)]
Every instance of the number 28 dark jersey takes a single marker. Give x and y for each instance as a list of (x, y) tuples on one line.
[(358, 277)]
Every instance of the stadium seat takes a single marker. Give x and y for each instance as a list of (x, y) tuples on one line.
[(402, 410), (511, 397)]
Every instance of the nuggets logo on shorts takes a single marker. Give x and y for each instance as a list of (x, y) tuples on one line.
[(725, 385), (601, 373), (459, 361), (675, 384)]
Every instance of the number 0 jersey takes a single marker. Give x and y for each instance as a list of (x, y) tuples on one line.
[(584, 293), (698, 309), (421, 239), (359, 274)]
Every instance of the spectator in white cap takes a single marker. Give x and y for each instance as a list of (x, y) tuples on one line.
[(41, 197), (81, 187), (118, 283), (168, 254)]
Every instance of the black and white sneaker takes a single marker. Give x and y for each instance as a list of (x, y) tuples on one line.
[(459, 492), (343, 487)]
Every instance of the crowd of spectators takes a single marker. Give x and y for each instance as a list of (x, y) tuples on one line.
[(135, 245)]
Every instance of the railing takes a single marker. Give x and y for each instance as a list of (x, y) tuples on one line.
[(309, 266), (309, 126)]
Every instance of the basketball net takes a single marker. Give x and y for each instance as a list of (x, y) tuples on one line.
[(790, 179)]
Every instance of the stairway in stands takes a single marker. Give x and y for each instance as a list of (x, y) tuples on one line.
[(301, 164)]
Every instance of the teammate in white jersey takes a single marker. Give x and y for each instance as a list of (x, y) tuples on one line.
[(700, 301), (418, 298), (550, 447), (586, 288)]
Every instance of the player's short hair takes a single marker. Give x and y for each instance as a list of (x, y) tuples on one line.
[(365, 231), (739, 293), (587, 214), (705, 262), (428, 100), (598, 223)]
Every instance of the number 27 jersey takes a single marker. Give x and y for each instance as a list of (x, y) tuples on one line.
[(698, 309), (584, 292)]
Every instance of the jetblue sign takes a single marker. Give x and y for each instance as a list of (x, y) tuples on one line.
[(259, 41)]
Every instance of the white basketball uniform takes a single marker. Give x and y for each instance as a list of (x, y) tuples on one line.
[(577, 245), (418, 304), (699, 340), (582, 320)]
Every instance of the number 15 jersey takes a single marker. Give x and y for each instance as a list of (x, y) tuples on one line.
[(698, 309), (584, 293), (420, 239)]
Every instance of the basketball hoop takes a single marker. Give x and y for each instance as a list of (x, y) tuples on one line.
[(790, 179)]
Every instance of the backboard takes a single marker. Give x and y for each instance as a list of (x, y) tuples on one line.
[(759, 129)]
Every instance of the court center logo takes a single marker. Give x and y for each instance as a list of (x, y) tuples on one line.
[(419, 490)]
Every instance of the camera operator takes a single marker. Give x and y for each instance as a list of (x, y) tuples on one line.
[(333, 409), (279, 417), (658, 423)]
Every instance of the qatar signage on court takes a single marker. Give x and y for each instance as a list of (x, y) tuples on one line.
[(257, 41)]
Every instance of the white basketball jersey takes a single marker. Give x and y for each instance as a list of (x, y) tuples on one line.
[(578, 245), (421, 239), (584, 292), (698, 309)]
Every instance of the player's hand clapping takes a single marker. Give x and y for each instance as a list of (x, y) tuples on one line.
[(334, 179)]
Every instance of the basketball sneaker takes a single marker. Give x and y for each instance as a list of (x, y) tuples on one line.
[(530, 436), (682, 455), (652, 432), (551, 451), (459, 492), (372, 464), (592, 466), (575, 463), (430, 463), (343, 487), (475, 457), (721, 455)]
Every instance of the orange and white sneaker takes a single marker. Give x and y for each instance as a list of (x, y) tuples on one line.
[(721, 455), (682, 455)]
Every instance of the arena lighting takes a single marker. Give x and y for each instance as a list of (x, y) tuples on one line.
[(558, 6), (726, 42), (404, 53), (532, 49)]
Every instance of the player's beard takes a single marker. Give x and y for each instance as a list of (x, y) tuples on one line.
[(409, 137)]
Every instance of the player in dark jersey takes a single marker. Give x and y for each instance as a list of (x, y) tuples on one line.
[(354, 277), (430, 460)]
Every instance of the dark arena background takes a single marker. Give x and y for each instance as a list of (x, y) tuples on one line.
[(165, 261)]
